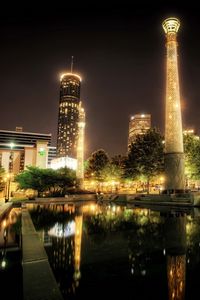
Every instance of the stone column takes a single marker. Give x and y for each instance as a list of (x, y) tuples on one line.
[(174, 156)]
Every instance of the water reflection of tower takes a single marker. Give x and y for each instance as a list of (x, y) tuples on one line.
[(65, 253), (77, 250), (175, 243), (61, 259)]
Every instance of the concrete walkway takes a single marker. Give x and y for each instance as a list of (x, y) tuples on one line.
[(38, 279)]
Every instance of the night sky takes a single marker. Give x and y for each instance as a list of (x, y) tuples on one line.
[(119, 52)]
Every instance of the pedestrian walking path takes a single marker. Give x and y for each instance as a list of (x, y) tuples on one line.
[(38, 279)]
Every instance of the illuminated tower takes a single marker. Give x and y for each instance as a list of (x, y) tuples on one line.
[(174, 156), (80, 146), (138, 124), (68, 117)]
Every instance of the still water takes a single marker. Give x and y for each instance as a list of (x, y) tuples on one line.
[(111, 251), (10, 256)]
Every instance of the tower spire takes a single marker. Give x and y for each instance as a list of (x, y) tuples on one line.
[(72, 63)]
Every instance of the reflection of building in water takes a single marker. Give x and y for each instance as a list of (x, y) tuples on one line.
[(175, 243), (6, 226), (62, 261), (176, 276), (63, 245), (77, 250)]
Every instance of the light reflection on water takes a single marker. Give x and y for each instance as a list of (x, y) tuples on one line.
[(121, 252), (10, 255)]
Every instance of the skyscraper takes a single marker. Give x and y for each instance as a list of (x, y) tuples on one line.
[(174, 157), (68, 116), (138, 124)]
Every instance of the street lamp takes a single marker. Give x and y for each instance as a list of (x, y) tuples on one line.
[(10, 167), (7, 191)]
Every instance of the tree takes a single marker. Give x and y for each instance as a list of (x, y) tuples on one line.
[(146, 156), (2, 182), (97, 162), (46, 180), (111, 172), (119, 160), (192, 156)]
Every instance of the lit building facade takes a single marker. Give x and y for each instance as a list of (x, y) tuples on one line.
[(80, 145), (67, 136), (19, 149), (138, 124)]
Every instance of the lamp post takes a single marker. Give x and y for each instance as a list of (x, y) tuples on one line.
[(10, 167), (7, 192)]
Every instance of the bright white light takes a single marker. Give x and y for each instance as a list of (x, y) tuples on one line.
[(3, 264), (12, 145), (60, 230), (62, 162), (70, 74)]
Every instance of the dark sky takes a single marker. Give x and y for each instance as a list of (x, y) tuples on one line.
[(120, 53)]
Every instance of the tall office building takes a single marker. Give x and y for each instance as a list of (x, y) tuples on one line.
[(68, 117), (138, 124)]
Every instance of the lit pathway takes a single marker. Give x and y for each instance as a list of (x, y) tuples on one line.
[(38, 279)]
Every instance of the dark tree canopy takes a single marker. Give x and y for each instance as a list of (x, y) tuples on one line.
[(46, 180), (146, 155), (97, 162), (192, 156)]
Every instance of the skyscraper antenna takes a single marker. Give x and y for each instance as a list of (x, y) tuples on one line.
[(72, 62)]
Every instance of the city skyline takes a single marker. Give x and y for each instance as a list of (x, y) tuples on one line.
[(118, 53)]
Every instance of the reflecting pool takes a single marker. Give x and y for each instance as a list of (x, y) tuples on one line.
[(104, 251), (10, 256)]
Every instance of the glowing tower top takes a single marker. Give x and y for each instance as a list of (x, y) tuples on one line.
[(171, 25)]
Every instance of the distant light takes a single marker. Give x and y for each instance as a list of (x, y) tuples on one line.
[(132, 118), (142, 116), (70, 74), (143, 272), (132, 271), (12, 145), (3, 264)]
